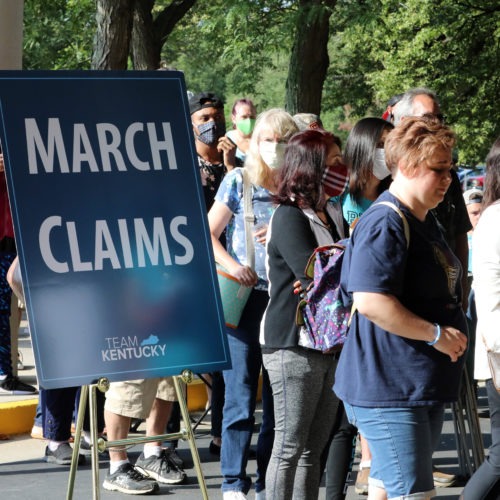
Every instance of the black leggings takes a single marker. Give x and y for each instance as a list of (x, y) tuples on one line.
[(338, 456)]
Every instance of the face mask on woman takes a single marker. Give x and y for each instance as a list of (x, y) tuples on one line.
[(210, 132), (272, 153), (380, 170), (335, 179), (246, 125)]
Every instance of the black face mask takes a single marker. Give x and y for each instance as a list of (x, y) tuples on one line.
[(210, 132)]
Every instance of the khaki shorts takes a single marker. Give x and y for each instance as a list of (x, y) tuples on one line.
[(134, 398)]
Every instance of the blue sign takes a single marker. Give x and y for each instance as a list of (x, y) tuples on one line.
[(110, 226)]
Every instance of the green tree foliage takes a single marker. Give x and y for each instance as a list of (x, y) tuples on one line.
[(376, 48), (58, 34), (450, 46), (227, 45)]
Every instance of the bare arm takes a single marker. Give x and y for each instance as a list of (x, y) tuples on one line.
[(218, 218), (389, 314)]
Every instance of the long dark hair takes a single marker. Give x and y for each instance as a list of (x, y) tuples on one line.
[(492, 177), (299, 180), (359, 153)]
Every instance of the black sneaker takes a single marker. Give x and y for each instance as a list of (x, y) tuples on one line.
[(130, 481), (214, 449), (14, 387), (62, 455), (161, 468)]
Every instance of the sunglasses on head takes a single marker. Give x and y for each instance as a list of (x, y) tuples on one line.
[(439, 116)]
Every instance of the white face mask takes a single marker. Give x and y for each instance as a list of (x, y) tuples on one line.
[(272, 153), (380, 170)]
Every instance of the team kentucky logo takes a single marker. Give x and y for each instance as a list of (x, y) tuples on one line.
[(124, 348)]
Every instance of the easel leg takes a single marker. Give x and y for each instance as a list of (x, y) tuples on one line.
[(76, 447), (94, 437), (190, 438)]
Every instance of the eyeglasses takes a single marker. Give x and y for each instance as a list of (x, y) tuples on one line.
[(439, 116)]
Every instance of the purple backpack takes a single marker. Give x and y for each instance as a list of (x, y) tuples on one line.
[(322, 315)]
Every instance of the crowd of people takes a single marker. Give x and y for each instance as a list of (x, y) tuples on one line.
[(408, 268)]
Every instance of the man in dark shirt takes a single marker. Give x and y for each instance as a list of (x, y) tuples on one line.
[(216, 156), (216, 152)]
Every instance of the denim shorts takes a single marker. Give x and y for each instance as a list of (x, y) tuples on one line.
[(402, 441)]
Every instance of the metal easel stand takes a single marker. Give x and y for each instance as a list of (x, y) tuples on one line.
[(468, 437), (89, 392)]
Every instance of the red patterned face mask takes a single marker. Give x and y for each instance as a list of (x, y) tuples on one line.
[(335, 179)]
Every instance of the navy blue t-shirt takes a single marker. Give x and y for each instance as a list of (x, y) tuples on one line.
[(378, 368)]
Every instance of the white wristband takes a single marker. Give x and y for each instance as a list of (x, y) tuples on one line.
[(437, 336)]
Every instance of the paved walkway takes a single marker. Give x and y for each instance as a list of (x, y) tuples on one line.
[(25, 476)]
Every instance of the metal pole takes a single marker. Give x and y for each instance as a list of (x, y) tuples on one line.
[(93, 442), (76, 447), (186, 377)]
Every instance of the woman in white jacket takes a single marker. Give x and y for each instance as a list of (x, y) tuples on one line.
[(485, 483)]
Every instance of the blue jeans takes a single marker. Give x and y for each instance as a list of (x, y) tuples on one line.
[(240, 398), (304, 410), (485, 483), (402, 441)]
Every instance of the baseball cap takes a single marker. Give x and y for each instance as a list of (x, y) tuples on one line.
[(473, 195), (204, 100)]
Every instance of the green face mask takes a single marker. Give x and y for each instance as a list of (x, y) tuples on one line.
[(246, 126)]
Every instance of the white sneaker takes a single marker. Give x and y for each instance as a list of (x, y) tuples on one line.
[(260, 495), (20, 364), (234, 495)]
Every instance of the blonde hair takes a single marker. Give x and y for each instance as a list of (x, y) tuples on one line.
[(279, 122), (414, 140)]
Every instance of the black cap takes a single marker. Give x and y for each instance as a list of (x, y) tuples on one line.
[(204, 100)]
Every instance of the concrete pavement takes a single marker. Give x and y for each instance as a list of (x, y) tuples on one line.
[(24, 475)]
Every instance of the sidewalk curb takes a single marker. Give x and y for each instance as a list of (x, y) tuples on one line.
[(16, 417)]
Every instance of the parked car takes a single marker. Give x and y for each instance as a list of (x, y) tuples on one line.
[(471, 176)]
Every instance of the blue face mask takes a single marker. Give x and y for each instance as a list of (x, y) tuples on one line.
[(210, 132)]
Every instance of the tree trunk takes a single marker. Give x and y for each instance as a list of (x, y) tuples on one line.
[(127, 27), (148, 35), (112, 39), (145, 48), (309, 58)]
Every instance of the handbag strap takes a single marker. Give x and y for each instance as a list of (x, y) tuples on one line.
[(249, 219)]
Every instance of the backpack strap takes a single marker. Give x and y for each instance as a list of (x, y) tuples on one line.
[(406, 227), (403, 218), (249, 218)]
